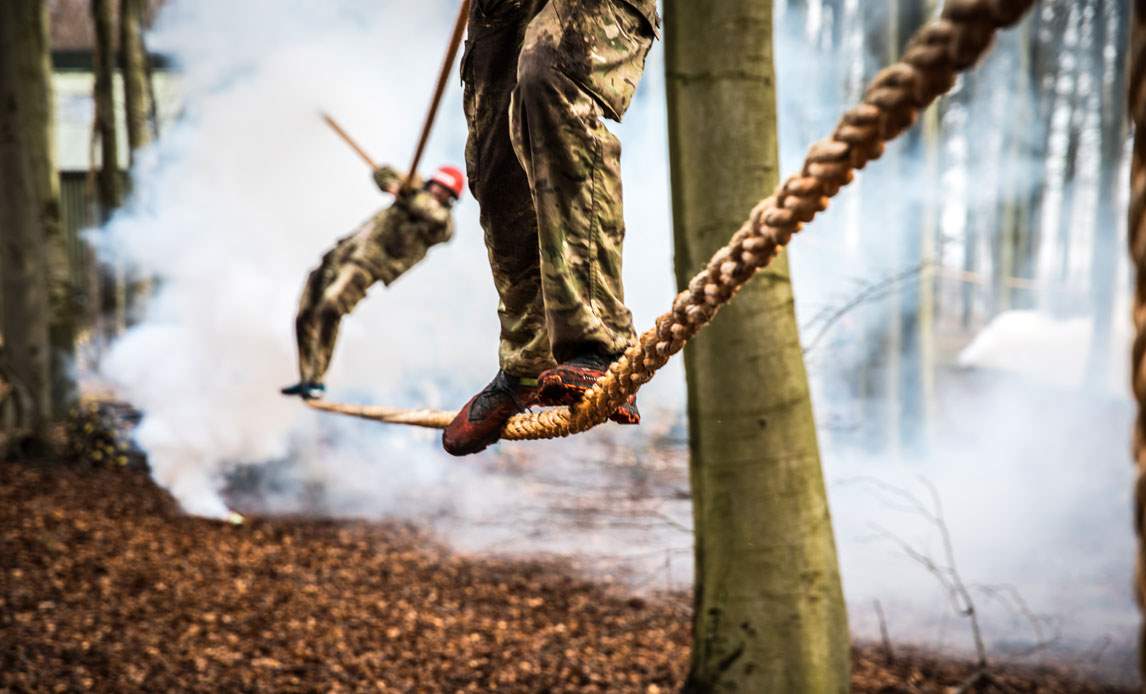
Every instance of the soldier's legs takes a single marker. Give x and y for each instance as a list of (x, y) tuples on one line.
[(331, 292), (580, 62), (306, 322), (550, 192), (501, 188)]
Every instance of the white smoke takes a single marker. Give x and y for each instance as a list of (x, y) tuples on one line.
[(235, 203), (1031, 460), (242, 196)]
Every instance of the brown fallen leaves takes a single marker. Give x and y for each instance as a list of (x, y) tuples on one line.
[(104, 586)]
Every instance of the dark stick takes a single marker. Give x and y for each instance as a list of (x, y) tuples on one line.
[(447, 67), (883, 634), (350, 141)]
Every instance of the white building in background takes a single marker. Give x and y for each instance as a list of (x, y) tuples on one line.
[(73, 80)]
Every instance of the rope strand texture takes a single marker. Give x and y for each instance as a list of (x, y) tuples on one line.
[(1137, 238), (892, 103)]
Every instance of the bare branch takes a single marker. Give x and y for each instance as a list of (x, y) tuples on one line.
[(885, 637), (869, 293), (948, 575), (1010, 597)]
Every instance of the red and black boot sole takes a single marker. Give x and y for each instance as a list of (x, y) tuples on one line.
[(567, 384)]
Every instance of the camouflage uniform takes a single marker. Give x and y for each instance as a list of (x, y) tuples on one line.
[(381, 249), (540, 76)]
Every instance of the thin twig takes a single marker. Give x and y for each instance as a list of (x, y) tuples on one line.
[(948, 575), (1010, 597), (884, 636), (869, 293)]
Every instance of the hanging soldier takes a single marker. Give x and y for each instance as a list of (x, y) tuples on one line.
[(380, 250)]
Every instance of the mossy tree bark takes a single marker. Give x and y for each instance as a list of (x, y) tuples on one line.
[(29, 209), (65, 296), (769, 612), (136, 91), (107, 180), (139, 110), (109, 186)]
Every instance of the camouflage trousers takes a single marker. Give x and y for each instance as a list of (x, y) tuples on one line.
[(332, 291), (540, 78)]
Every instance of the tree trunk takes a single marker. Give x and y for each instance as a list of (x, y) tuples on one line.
[(108, 183), (1076, 103), (1014, 218), (970, 262), (64, 297), (1113, 22), (28, 214), (769, 612), (910, 15), (136, 93), (1045, 65), (139, 108)]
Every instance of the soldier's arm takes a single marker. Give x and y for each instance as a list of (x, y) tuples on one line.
[(388, 179), (437, 218), (423, 206)]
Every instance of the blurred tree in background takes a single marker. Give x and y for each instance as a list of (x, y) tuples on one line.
[(29, 212)]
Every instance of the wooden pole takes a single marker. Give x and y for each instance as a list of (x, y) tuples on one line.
[(447, 67), (350, 141)]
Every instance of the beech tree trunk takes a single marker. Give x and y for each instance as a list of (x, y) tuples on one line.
[(108, 183), (134, 66), (29, 212), (107, 180), (1114, 21), (769, 612)]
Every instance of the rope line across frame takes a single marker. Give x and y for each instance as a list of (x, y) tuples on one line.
[(892, 103)]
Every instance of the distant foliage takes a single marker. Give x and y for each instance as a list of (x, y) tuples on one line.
[(99, 434)]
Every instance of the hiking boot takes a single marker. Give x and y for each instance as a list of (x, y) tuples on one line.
[(307, 390), (481, 420), (567, 383)]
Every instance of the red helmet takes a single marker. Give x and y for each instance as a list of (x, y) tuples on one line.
[(450, 178)]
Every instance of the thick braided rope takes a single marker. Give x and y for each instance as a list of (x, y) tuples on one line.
[(892, 103), (1137, 238), (430, 419)]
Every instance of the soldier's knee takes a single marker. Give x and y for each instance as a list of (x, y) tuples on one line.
[(328, 310)]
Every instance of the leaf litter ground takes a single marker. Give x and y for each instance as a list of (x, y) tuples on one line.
[(107, 587)]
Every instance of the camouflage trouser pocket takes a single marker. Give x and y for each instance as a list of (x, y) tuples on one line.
[(603, 48)]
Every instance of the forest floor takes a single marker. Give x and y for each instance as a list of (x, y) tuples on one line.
[(106, 586)]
